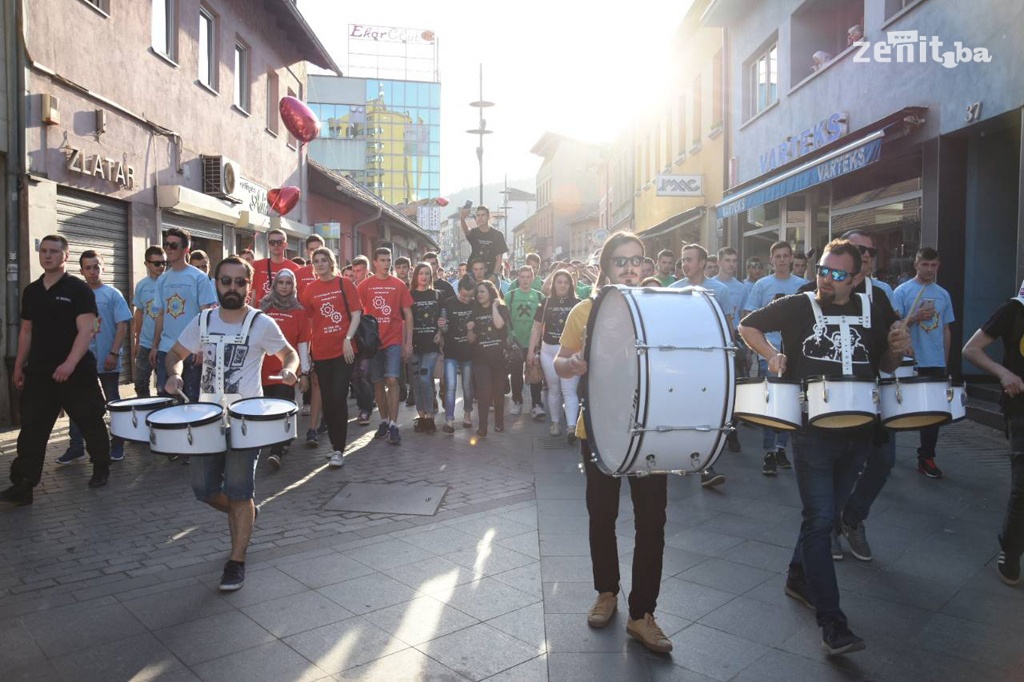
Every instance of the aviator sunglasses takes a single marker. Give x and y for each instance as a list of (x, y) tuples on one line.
[(239, 282), (837, 275)]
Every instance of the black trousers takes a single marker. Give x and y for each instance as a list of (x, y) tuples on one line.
[(517, 386), (285, 392), (1012, 536), (489, 389), (41, 403), (650, 497), (335, 375)]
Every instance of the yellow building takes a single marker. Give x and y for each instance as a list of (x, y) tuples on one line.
[(681, 151)]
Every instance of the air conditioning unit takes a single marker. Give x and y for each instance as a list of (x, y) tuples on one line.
[(220, 177)]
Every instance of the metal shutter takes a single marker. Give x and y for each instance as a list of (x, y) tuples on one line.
[(197, 227), (93, 221)]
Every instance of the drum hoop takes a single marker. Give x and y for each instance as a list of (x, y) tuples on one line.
[(262, 417), (184, 425), (746, 381), (124, 404), (643, 372), (913, 380), (730, 371), (887, 423), (845, 378)]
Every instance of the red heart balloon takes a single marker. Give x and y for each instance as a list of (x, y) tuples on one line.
[(283, 199), (299, 119), (441, 201)]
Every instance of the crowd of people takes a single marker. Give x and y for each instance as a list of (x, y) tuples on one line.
[(383, 331)]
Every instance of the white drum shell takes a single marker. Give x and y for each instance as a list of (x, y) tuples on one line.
[(770, 403), (838, 403), (958, 402), (130, 424), (254, 428), (913, 405), (658, 410), (186, 436)]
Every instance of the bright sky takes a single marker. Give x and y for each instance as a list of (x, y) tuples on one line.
[(564, 66)]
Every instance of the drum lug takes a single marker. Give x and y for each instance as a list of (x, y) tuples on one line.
[(287, 425), (767, 394), (899, 392), (188, 433), (152, 437), (135, 418), (824, 389), (245, 428)]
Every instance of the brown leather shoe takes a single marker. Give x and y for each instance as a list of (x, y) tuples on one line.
[(603, 609), (650, 635)]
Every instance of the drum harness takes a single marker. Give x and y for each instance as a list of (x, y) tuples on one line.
[(220, 341), (844, 322)]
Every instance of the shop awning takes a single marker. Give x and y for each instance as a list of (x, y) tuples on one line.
[(846, 159), (675, 222)]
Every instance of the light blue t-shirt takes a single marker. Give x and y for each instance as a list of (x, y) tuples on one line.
[(766, 290), (179, 297), (926, 337), (113, 310), (737, 294), (717, 289), (884, 286), (145, 294)]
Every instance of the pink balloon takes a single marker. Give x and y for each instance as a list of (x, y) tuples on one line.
[(299, 119), (283, 199)]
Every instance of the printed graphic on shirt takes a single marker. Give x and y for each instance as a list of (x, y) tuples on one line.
[(826, 344), (234, 358), (150, 312), (176, 306), (329, 312)]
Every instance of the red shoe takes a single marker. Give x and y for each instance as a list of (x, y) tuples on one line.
[(927, 467)]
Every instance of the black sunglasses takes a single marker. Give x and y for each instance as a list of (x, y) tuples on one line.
[(158, 263), (172, 246), (620, 261), (837, 275), (869, 250), (239, 282), (275, 242)]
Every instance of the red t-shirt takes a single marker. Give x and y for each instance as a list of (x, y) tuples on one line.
[(328, 321), (385, 299), (303, 276), (261, 282), (294, 325)]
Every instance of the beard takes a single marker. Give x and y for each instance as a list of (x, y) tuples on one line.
[(230, 300), (827, 297)]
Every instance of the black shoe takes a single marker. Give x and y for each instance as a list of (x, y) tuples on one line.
[(382, 431), (797, 589), (926, 466), (322, 429), (481, 432), (431, 425), (418, 424), (233, 576), (781, 460), (709, 478), (769, 468), (100, 474), (19, 494), (837, 639), (274, 460), (733, 442), (312, 439), (1008, 566)]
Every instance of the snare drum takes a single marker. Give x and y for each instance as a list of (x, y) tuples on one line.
[(957, 401), (841, 402), (261, 422), (769, 401), (914, 403), (660, 383), (191, 429), (128, 416)]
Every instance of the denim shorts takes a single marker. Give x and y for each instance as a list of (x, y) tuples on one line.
[(232, 473), (386, 364)]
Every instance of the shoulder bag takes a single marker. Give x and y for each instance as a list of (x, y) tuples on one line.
[(367, 335)]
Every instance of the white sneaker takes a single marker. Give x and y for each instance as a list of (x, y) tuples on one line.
[(538, 412), (337, 460), (517, 408), (555, 430)]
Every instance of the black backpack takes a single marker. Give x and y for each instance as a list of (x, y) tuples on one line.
[(367, 333)]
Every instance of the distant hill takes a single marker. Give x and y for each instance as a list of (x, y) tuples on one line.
[(492, 193)]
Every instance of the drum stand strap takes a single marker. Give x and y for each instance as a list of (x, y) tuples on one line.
[(635, 428)]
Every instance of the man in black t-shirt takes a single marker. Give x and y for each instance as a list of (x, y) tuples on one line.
[(826, 461), (1007, 324), (446, 289), (54, 370), (488, 244), (456, 312)]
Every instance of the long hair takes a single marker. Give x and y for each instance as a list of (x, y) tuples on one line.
[(609, 247), (414, 280), (324, 251), (562, 272), (495, 294)]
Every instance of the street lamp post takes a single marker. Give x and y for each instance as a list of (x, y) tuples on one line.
[(481, 130)]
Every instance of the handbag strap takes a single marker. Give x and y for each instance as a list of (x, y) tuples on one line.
[(341, 288)]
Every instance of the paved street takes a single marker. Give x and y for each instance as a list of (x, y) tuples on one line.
[(120, 583)]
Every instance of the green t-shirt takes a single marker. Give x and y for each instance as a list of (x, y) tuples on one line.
[(666, 280), (538, 283), (522, 305)]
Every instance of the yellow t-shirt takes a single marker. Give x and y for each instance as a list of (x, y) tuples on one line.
[(572, 340)]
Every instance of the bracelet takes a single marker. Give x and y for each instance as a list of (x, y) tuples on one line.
[(114, 353)]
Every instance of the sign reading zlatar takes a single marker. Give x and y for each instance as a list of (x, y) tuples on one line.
[(97, 166)]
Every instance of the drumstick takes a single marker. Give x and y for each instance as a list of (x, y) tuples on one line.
[(276, 377), (913, 307), (182, 394)]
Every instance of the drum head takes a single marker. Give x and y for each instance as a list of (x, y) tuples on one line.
[(842, 420), (180, 416), (610, 395), (129, 404), (257, 409)]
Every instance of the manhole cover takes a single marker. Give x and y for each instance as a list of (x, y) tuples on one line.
[(388, 498)]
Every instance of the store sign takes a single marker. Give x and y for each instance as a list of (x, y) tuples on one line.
[(679, 185), (111, 170), (429, 218), (389, 34), (823, 132), (253, 196)]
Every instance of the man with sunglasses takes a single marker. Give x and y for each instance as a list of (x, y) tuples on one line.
[(267, 268), (144, 321), (829, 332), (181, 292)]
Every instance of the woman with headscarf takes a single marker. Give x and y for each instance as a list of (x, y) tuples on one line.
[(284, 308)]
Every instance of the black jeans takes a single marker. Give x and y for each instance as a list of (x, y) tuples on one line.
[(1012, 537), (929, 434), (650, 496), (489, 389), (41, 403), (517, 385), (334, 376), (285, 392), (360, 377)]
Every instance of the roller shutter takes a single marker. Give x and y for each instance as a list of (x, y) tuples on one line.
[(197, 227)]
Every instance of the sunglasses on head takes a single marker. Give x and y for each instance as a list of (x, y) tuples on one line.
[(275, 242), (237, 281), (837, 275), (172, 246), (158, 263), (869, 250), (620, 261)]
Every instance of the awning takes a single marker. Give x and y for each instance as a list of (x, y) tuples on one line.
[(675, 222), (846, 159)]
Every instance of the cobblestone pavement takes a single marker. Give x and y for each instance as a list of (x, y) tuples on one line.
[(120, 583)]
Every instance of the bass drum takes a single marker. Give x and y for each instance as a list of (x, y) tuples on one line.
[(660, 380)]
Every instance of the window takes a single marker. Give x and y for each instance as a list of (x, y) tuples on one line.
[(819, 33), (242, 76), (717, 90), (207, 48), (273, 97), (697, 106), (163, 28), (292, 142), (681, 121), (763, 78), (893, 7)]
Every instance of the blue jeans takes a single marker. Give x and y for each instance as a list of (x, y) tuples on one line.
[(143, 373), (232, 473), (881, 459), (109, 382), (771, 439), (826, 465), (422, 367), (191, 373), (452, 368)]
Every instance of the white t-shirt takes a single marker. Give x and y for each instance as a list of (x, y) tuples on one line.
[(242, 361)]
